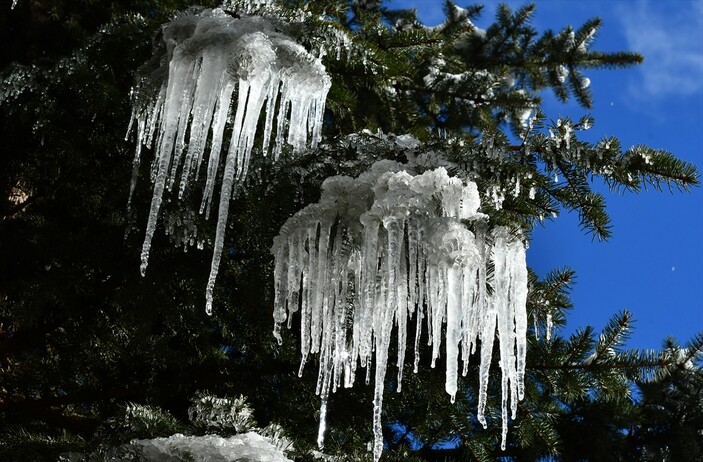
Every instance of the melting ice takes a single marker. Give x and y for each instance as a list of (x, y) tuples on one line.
[(388, 246), (220, 69)]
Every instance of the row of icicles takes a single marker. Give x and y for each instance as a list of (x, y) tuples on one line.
[(210, 54), (375, 252), (388, 246)]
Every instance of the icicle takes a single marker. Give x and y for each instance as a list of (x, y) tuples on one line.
[(402, 310), (323, 425), (453, 327), (218, 128), (211, 55), (487, 335), (136, 161), (535, 326), (413, 256)]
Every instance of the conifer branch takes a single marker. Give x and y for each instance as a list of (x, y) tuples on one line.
[(21, 207), (594, 366), (589, 205)]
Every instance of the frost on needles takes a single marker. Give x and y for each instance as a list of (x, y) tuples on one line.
[(218, 70), (390, 245)]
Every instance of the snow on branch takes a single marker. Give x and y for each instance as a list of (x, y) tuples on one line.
[(377, 250), (213, 63)]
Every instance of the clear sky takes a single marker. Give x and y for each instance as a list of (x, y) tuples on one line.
[(653, 264)]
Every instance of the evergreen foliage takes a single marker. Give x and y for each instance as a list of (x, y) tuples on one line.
[(86, 341)]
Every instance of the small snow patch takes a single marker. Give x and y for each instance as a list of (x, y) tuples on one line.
[(248, 447)]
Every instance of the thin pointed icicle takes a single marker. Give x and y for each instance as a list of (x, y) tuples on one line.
[(210, 55), (280, 277), (487, 338), (419, 310), (410, 256), (519, 299), (136, 161), (323, 425), (453, 328), (174, 97), (218, 128), (402, 311)]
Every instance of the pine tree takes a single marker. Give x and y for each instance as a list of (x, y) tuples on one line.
[(86, 341)]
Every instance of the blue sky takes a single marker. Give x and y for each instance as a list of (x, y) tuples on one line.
[(653, 264)]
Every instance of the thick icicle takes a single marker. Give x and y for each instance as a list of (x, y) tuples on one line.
[(400, 247), (210, 55)]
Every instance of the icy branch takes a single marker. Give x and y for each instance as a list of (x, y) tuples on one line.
[(223, 72), (389, 245)]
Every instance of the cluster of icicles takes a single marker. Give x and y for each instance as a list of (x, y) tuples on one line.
[(211, 58), (389, 245), (375, 252)]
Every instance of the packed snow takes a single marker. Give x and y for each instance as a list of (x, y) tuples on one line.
[(390, 245), (209, 448), (214, 64)]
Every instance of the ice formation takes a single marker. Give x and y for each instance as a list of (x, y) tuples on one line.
[(214, 63), (389, 245), (210, 448)]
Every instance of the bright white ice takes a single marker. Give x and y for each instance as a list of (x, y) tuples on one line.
[(388, 246), (210, 448), (224, 70)]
